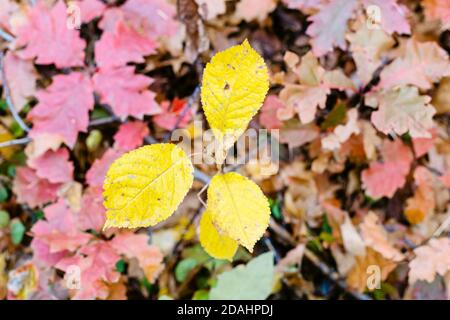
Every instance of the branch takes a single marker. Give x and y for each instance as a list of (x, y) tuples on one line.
[(330, 273), (9, 101), (15, 142), (6, 36)]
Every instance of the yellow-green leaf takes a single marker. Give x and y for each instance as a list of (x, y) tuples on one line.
[(217, 245), (238, 208), (146, 185), (235, 83)]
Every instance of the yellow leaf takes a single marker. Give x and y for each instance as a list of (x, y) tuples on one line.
[(238, 208), (235, 83), (217, 245), (146, 185)]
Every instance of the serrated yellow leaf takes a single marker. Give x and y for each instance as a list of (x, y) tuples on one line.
[(238, 208), (146, 185), (217, 245), (235, 83)]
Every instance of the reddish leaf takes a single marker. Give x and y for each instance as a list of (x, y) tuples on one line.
[(126, 92), (92, 213), (90, 9), (131, 135), (21, 78), (136, 246), (32, 190), (96, 174), (97, 263), (53, 166), (47, 37), (60, 231), (172, 113), (383, 179), (63, 107), (268, 116), (122, 45)]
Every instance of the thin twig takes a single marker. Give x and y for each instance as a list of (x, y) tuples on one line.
[(330, 273), (15, 142), (6, 36), (9, 101), (103, 121)]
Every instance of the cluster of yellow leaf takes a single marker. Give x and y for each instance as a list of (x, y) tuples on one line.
[(145, 186)]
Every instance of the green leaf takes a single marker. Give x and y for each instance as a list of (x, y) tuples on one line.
[(253, 281), (17, 231), (275, 208), (3, 193), (184, 267), (4, 219), (335, 117), (120, 266), (200, 295)]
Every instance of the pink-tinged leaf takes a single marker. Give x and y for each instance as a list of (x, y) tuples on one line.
[(126, 92), (423, 145), (445, 179), (403, 110), (92, 212), (122, 45), (21, 77), (136, 246), (421, 65), (42, 254), (96, 174), (63, 107), (90, 9), (97, 263), (53, 166), (60, 230), (154, 18), (302, 4), (430, 259), (382, 179), (393, 15), (47, 37), (268, 116), (31, 189), (329, 25), (131, 135), (173, 114)]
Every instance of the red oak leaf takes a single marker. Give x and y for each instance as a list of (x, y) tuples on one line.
[(122, 45), (96, 174), (63, 107), (126, 92), (96, 263), (383, 179), (31, 189), (47, 37), (130, 135), (53, 166), (136, 246), (171, 113)]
